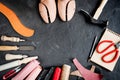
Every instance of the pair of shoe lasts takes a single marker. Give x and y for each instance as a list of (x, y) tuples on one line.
[(66, 10)]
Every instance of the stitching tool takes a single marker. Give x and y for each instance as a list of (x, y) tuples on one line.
[(11, 73), (43, 74), (11, 39), (17, 63), (49, 74), (107, 48), (9, 48), (92, 49), (13, 56)]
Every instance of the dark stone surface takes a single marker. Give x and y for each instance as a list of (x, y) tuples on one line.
[(58, 43)]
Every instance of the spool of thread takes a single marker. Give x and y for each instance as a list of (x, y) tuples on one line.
[(26, 70), (65, 72), (57, 73), (33, 75)]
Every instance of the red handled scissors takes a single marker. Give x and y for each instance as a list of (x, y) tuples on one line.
[(112, 44)]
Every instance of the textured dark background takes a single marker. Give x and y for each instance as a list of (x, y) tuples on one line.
[(58, 43)]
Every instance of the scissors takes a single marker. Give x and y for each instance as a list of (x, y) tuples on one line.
[(112, 44)]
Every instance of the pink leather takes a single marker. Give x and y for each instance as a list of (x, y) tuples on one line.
[(86, 74), (26, 70), (33, 75)]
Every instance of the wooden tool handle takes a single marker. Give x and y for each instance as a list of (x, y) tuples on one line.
[(99, 10), (8, 48), (12, 39)]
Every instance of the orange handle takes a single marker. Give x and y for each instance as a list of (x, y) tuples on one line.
[(15, 22)]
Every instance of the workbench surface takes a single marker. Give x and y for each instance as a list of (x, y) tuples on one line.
[(59, 42)]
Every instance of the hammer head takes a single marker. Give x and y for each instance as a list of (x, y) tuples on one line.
[(90, 19)]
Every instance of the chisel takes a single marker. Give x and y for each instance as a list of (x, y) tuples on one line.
[(9, 48)]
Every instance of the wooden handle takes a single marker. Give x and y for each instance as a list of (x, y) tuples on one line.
[(8, 48), (11, 39), (99, 10)]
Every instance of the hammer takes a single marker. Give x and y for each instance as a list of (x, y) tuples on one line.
[(94, 19)]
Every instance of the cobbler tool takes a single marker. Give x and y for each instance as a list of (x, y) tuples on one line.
[(49, 74), (13, 56), (57, 73), (43, 74), (33, 75), (66, 9), (11, 73), (15, 22), (94, 19), (86, 74), (93, 47), (47, 10), (11, 39), (65, 72), (17, 63), (26, 70), (9, 48), (114, 51)]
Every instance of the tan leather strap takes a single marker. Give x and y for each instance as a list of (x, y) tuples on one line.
[(15, 22)]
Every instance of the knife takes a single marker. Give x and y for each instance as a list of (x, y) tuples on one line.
[(8, 48)]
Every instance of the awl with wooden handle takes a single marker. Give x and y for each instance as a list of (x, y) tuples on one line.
[(17, 63), (11, 39), (9, 48)]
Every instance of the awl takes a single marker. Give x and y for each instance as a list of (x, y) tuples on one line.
[(17, 63), (8, 48)]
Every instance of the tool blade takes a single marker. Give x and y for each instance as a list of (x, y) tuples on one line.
[(26, 47)]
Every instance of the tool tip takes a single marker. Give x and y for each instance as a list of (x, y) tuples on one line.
[(24, 56)]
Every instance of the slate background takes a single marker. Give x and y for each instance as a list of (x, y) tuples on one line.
[(58, 43)]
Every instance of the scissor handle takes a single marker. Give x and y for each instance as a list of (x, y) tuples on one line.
[(113, 59), (104, 41), (108, 53)]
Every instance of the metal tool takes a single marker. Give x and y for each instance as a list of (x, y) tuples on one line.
[(89, 18), (8, 48), (11, 73), (43, 74), (13, 56), (114, 51), (49, 74), (93, 47), (17, 63), (94, 19), (11, 39)]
